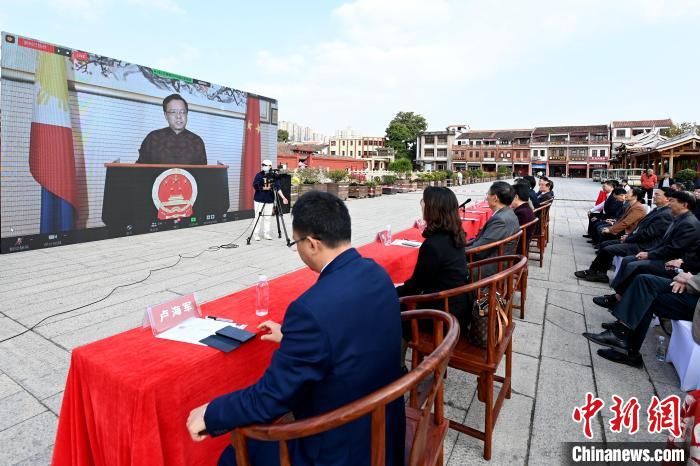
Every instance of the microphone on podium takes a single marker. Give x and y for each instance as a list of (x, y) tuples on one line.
[(463, 204)]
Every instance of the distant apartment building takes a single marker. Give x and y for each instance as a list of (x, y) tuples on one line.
[(491, 149), (554, 151), (571, 151), (434, 150), (371, 149), (300, 133)]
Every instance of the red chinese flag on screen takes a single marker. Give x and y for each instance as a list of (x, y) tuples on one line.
[(250, 164)]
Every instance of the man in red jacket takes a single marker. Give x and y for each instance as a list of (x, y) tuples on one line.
[(648, 184)]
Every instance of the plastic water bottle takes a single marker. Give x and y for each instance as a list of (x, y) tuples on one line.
[(387, 238), (661, 349), (262, 296)]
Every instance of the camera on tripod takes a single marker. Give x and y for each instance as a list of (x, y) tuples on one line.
[(274, 174)]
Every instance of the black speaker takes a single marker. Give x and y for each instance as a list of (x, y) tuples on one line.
[(286, 184)]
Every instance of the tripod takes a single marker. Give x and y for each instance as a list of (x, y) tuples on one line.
[(277, 212)]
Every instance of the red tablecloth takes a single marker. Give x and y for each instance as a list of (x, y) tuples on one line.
[(127, 397)]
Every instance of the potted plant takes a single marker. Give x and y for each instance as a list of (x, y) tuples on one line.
[(309, 178), (476, 175), (357, 188), (450, 176), (503, 172), (338, 184), (295, 190), (373, 190), (388, 184)]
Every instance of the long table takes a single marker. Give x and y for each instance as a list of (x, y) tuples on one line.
[(127, 397)]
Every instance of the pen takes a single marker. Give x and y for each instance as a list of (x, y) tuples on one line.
[(223, 319)]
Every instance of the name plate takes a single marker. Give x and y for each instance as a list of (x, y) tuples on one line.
[(165, 316)]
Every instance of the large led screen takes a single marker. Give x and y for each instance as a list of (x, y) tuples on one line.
[(93, 147)]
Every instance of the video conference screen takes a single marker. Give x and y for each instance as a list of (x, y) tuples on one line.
[(93, 147)]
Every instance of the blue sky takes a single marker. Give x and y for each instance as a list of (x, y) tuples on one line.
[(333, 64)]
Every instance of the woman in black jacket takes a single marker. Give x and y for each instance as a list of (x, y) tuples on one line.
[(442, 262)]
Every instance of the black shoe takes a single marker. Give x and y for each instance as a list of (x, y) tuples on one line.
[(634, 360), (609, 325), (586, 236), (600, 277), (581, 273), (607, 338), (608, 301), (591, 241)]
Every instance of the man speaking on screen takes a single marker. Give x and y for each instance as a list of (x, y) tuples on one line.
[(174, 144)]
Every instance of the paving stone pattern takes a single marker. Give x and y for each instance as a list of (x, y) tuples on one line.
[(554, 366)]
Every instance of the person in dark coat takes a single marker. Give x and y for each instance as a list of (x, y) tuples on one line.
[(521, 209), (339, 341), (442, 262), (645, 237), (680, 241)]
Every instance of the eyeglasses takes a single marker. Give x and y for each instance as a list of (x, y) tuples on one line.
[(177, 112), (293, 244), (266, 165)]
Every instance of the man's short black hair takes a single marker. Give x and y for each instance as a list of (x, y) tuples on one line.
[(666, 191), (619, 191), (531, 179), (612, 183), (638, 193), (322, 216), (172, 97), (503, 191), (684, 197), (522, 190)]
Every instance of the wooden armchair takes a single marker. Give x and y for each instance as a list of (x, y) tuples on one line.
[(503, 247), (540, 236), (473, 359), (548, 206), (524, 246), (425, 427)]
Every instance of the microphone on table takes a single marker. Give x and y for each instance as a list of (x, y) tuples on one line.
[(463, 204)]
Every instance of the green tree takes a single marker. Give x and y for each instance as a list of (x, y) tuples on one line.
[(678, 129), (282, 135), (402, 132), (401, 166)]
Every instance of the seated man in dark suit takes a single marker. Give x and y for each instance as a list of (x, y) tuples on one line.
[(532, 194), (645, 237), (521, 209), (634, 211), (502, 224), (340, 341), (612, 210), (680, 241), (546, 190), (675, 299)]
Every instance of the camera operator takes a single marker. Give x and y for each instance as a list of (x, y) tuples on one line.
[(263, 184)]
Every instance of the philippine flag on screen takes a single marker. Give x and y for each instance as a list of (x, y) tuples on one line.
[(51, 159)]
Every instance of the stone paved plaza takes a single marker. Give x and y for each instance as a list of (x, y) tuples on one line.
[(554, 366)]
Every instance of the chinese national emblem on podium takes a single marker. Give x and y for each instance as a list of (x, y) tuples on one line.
[(174, 193)]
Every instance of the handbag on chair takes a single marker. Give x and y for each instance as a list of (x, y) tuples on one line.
[(478, 330)]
